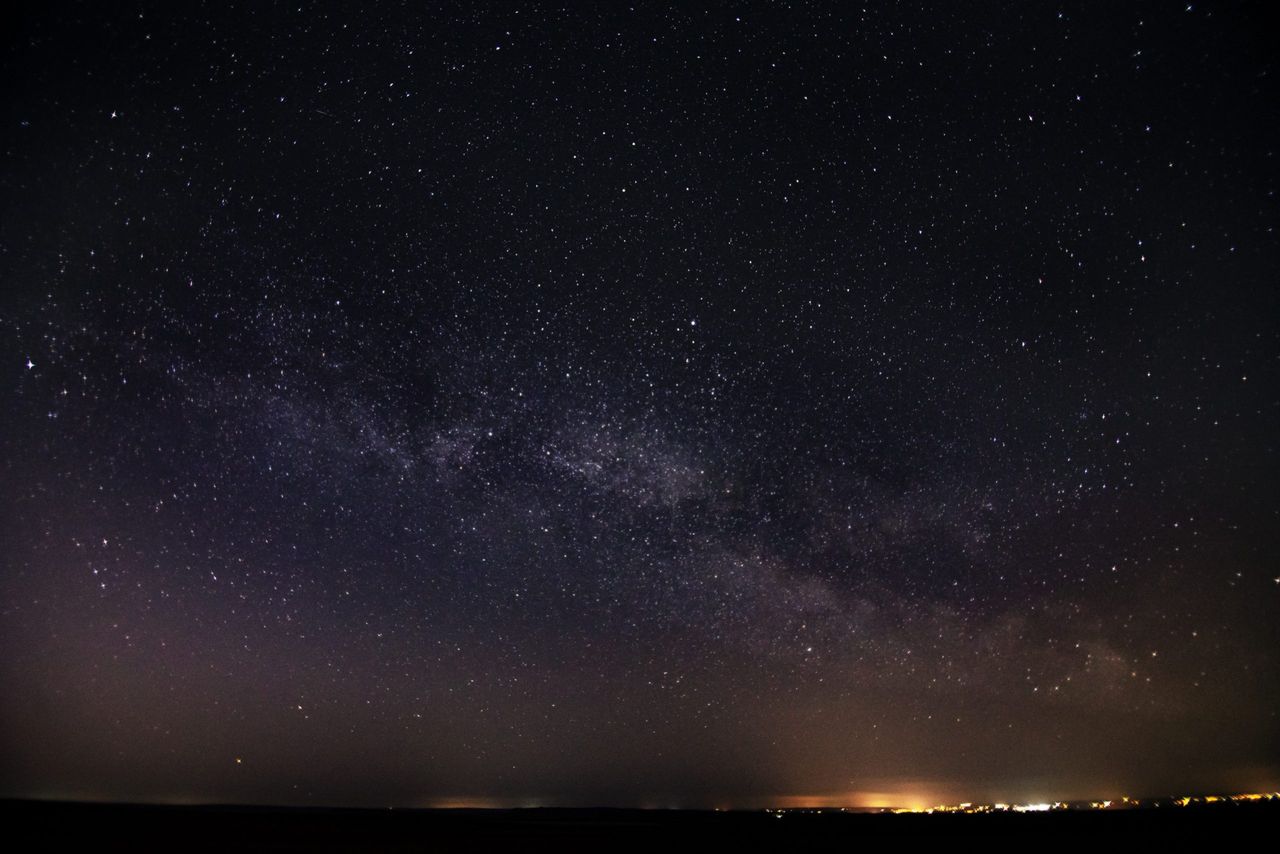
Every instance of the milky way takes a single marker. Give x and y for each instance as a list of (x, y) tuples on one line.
[(638, 406)]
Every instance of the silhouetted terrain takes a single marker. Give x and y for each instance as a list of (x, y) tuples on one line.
[(50, 826)]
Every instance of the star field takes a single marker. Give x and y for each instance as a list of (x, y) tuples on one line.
[(638, 406)]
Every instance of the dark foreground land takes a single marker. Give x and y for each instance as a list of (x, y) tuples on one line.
[(54, 826)]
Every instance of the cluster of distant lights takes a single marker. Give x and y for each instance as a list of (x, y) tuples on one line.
[(1122, 802)]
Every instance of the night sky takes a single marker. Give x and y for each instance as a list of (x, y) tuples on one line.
[(638, 406)]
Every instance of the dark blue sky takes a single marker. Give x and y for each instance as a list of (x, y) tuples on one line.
[(638, 406)]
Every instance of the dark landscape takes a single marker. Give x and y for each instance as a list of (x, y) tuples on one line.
[(54, 826)]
